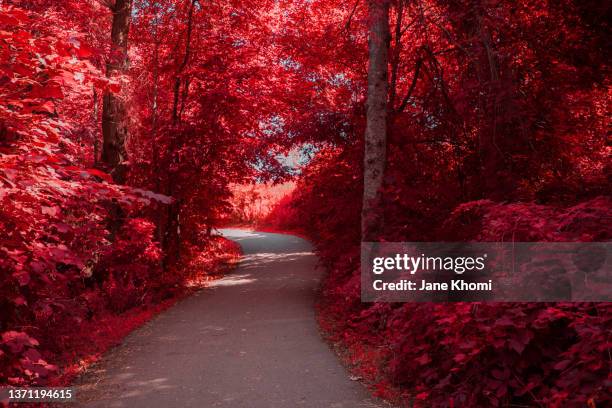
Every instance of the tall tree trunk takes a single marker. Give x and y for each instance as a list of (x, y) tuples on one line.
[(397, 49), (376, 127), (155, 159), (496, 181), (172, 237), (183, 65), (154, 117), (114, 115), (95, 137)]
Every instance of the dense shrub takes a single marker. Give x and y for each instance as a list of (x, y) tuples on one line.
[(464, 354), (75, 248)]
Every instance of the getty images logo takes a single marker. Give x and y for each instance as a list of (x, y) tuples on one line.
[(412, 264)]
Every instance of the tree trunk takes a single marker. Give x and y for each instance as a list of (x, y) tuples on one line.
[(155, 159), (171, 243), (114, 115), (496, 181), (376, 127), (183, 65), (397, 49), (95, 137)]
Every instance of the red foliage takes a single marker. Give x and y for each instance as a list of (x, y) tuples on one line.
[(495, 143), (497, 131), (76, 249), (252, 203), (471, 354)]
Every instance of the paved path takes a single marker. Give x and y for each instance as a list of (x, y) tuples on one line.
[(250, 340)]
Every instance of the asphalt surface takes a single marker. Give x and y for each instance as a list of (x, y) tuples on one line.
[(250, 340)]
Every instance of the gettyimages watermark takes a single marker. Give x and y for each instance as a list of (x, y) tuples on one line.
[(486, 271)]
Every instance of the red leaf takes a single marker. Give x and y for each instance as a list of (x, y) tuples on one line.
[(20, 301), (23, 277), (51, 90), (422, 395), (516, 345), (17, 341), (47, 107), (562, 365), (32, 355), (52, 211), (97, 173), (459, 357), (424, 359)]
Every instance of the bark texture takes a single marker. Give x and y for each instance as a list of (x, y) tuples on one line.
[(376, 127), (114, 114)]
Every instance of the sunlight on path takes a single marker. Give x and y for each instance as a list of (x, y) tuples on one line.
[(249, 340)]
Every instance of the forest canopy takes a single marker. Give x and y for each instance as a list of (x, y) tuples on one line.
[(126, 125)]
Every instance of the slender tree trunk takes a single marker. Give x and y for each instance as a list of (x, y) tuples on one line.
[(376, 127), (155, 159), (397, 49), (495, 180), (181, 68), (94, 115), (184, 96), (114, 115), (154, 117), (172, 234)]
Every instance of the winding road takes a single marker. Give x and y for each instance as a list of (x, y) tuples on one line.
[(249, 340)]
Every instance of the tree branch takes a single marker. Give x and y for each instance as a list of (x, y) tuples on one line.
[(417, 70), (397, 48), (347, 25)]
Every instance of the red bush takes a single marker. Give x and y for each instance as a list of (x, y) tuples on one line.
[(74, 247), (464, 354)]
